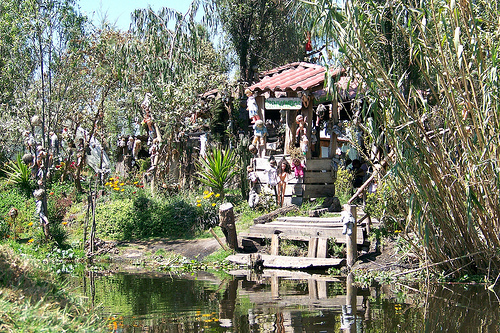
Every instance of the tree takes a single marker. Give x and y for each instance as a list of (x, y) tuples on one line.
[(263, 33)]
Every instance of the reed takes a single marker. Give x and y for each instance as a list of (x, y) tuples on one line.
[(429, 71)]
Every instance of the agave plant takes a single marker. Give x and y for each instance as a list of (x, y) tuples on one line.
[(18, 173), (217, 169)]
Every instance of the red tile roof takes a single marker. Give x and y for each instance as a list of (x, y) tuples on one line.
[(295, 77)]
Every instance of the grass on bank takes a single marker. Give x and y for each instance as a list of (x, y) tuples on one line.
[(31, 299)]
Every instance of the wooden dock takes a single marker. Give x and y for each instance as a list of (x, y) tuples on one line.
[(273, 261)]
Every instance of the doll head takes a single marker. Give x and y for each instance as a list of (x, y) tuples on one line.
[(249, 169), (285, 166), (248, 92), (299, 119), (296, 161), (259, 123), (272, 163)]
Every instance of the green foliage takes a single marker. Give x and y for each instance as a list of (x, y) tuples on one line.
[(217, 169), (140, 216), (343, 185), (49, 307), (19, 174), (293, 248), (253, 35), (336, 250), (26, 210)]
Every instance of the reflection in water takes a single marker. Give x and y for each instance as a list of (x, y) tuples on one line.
[(284, 301)]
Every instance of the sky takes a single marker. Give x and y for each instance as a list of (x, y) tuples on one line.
[(118, 11)]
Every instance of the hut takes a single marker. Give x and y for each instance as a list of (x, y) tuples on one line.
[(301, 120)]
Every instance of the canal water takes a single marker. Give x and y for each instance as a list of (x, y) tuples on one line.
[(284, 301)]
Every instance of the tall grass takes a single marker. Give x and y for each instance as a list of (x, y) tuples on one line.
[(31, 299), (430, 74)]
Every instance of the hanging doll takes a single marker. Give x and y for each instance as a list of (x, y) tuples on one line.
[(253, 196), (252, 106), (301, 134), (259, 132), (298, 167), (272, 175), (283, 172)]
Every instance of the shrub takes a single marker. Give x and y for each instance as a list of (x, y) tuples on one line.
[(141, 216), (343, 185), (114, 218)]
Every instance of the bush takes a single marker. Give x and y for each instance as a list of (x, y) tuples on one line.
[(25, 207), (141, 216), (343, 185)]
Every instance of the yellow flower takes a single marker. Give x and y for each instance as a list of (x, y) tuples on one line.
[(31, 240), (116, 189), (205, 192), (198, 205), (122, 184), (135, 183), (213, 204), (111, 179), (106, 184), (217, 195), (30, 224), (64, 223), (198, 201), (122, 189)]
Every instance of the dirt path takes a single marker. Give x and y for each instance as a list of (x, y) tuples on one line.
[(191, 249)]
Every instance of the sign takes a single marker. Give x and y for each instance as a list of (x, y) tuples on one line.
[(290, 103)]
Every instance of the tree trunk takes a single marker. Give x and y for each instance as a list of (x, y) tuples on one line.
[(227, 224)]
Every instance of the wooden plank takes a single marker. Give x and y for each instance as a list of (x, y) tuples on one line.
[(307, 224), (318, 191), (275, 244), (313, 245), (266, 235), (287, 262), (284, 274), (319, 164), (294, 189), (263, 298), (300, 262), (322, 288), (274, 214), (318, 177), (311, 287), (322, 250), (307, 219), (306, 231)]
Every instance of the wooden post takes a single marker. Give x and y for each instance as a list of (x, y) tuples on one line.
[(349, 320), (275, 245), (351, 244), (226, 222)]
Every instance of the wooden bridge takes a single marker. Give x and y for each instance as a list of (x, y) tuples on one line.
[(318, 232)]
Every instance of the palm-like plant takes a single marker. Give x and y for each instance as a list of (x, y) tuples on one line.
[(217, 169), (18, 173)]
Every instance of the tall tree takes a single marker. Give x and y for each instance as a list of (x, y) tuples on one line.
[(263, 33)]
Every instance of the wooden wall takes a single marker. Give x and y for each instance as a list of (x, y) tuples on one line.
[(317, 182)]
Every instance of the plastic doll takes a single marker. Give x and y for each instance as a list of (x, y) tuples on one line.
[(259, 132), (298, 167), (301, 134), (284, 171), (252, 107), (252, 177), (272, 175)]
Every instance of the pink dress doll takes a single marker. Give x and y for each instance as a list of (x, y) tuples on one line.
[(298, 167)]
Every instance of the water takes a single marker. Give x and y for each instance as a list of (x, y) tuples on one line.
[(283, 301)]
